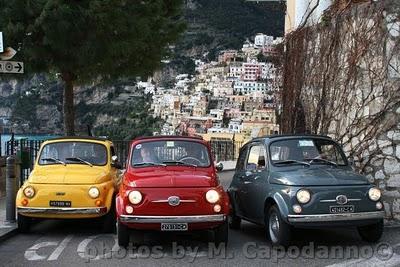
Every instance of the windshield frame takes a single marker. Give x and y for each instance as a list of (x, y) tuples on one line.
[(74, 163), (131, 165), (339, 148)]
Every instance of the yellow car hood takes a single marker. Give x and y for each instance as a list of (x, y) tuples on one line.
[(70, 174)]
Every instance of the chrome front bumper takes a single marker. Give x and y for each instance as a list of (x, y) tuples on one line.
[(97, 210), (336, 217), (173, 219)]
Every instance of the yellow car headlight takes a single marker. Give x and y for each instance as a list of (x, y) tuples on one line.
[(29, 192), (374, 194), (303, 196), (212, 196), (94, 192), (135, 197)]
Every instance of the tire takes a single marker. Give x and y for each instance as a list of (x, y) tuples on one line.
[(123, 235), (221, 234), (24, 223), (233, 220), (371, 233), (278, 231), (108, 221)]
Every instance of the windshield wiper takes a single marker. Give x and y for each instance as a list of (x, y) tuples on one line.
[(292, 161), (80, 160), (149, 163), (324, 160), (180, 162), (54, 160)]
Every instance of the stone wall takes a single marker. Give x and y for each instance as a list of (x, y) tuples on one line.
[(342, 79)]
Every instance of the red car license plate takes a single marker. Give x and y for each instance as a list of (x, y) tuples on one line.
[(174, 226)]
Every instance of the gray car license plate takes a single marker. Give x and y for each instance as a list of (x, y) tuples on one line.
[(174, 226), (342, 209)]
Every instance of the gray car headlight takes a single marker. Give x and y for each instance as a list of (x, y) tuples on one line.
[(374, 194), (303, 196)]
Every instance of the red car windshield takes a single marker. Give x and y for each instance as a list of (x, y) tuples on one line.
[(170, 152)]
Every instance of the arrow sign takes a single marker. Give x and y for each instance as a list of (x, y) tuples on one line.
[(11, 67)]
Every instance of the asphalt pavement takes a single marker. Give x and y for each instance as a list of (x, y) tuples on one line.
[(76, 243)]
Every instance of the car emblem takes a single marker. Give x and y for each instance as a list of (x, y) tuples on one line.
[(174, 201), (341, 199), (60, 193)]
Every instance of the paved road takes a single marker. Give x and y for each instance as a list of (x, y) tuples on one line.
[(61, 243)]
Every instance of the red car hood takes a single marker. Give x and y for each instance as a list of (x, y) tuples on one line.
[(169, 178)]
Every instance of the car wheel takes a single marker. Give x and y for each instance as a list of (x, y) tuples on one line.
[(221, 234), (372, 232), (123, 235), (233, 220), (109, 224), (278, 230), (24, 223)]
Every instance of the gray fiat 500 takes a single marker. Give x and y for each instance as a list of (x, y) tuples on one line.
[(286, 182)]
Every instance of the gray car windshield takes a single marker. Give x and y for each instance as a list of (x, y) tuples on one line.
[(163, 153), (306, 152), (73, 153)]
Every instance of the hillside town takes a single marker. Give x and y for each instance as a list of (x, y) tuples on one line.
[(232, 98)]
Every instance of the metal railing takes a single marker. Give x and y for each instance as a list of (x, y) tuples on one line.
[(27, 150)]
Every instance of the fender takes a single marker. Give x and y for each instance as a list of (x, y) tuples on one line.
[(109, 198), (119, 205), (281, 204)]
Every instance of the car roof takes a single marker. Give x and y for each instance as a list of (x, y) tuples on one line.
[(169, 137), (88, 138), (288, 136)]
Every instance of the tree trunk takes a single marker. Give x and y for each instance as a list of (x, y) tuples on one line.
[(68, 104)]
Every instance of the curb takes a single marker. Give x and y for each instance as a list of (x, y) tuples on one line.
[(12, 232)]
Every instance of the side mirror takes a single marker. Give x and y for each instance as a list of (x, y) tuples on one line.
[(351, 161), (115, 163), (219, 166)]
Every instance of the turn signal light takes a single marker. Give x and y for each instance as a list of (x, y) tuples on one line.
[(98, 203), (217, 208), (24, 202)]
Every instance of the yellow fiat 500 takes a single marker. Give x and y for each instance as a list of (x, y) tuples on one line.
[(73, 178)]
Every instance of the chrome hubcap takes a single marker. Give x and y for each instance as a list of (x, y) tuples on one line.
[(273, 227)]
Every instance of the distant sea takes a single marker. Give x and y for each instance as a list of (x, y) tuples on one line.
[(7, 137)]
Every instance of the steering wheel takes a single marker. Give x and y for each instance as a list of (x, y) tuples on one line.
[(191, 159)]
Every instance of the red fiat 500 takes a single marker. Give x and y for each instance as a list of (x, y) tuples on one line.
[(170, 184)]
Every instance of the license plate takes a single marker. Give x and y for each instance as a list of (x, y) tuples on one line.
[(57, 203), (174, 227), (342, 209)]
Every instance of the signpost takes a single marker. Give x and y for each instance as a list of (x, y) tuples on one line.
[(1, 43), (11, 67)]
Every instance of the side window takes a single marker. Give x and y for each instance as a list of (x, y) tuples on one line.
[(256, 159), (242, 159)]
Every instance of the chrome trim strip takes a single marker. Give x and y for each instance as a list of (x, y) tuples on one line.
[(334, 200), (181, 200), (99, 210), (337, 217), (172, 219)]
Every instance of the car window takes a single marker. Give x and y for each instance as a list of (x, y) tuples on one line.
[(73, 153), (170, 152), (240, 165), (256, 158), (306, 150)]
